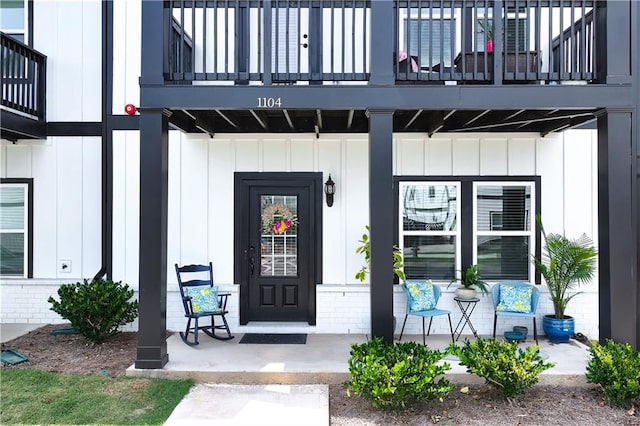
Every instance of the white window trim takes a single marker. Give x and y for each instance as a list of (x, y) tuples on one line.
[(531, 233), (24, 230), (457, 233)]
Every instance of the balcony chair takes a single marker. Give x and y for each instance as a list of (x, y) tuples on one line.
[(422, 299), (200, 298), (515, 299)]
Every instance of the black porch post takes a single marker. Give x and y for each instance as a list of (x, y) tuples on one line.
[(381, 209), (382, 42), (618, 222), (154, 152), (154, 172)]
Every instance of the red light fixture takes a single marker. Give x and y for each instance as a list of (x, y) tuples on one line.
[(130, 109)]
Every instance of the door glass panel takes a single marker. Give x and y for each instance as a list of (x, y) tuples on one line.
[(279, 236)]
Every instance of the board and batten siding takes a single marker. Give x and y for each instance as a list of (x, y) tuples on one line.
[(201, 210)]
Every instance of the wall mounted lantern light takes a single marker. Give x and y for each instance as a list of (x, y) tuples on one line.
[(329, 190)]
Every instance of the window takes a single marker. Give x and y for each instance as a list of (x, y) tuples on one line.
[(430, 242), (446, 226), (16, 213), (430, 40), (503, 230), (13, 19)]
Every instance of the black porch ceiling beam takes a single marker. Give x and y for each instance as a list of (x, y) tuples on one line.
[(566, 125), (439, 124), (412, 119), (515, 114), (319, 118), (260, 118), (350, 119), (476, 117), (204, 123), (227, 119), (526, 122), (288, 118), (183, 121)]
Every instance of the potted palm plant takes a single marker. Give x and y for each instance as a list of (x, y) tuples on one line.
[(565, 265), (487, 28), (470, 283)]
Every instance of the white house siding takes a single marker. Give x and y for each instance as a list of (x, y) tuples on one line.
[(68, 33), (66, 220), (201, 211)]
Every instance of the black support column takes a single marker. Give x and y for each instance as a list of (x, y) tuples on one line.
[(381, 208), (618, 222), (154, 165), (154, 173), (382, 42)]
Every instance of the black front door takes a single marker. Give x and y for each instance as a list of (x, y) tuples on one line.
[(277, 251)]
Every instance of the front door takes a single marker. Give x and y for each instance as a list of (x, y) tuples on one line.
[(277, 253)]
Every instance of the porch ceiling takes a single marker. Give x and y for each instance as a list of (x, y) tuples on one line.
[(543, 121)]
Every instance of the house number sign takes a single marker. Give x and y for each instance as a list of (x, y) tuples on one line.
[(269, 102)]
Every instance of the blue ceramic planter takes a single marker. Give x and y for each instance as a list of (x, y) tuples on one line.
[(558, 330)]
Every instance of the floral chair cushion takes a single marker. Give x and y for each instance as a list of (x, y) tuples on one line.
[(515, 299), (203, 299), (421, 296)]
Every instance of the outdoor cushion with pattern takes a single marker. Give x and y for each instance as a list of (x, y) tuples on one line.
[(421, 296), (203, 299), (515, 299)]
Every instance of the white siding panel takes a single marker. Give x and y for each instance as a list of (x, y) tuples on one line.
[(334, 225), (466, 156), (578, 183), (132, 54), (493, 157), (119, 61), (356, 194), (45, 226), (302, 154), (193, 200), (247, 155), (221, 209), (440, 157), (275, 154), (549, 165), (91, 206), (119, 252), (174, 248), (132, 218), (522, 156), (46, 41), (410, 156), (18, 161), (92, 60), (69, 61), (69, 211)]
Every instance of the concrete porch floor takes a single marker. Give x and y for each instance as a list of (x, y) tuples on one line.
[(323, 359)]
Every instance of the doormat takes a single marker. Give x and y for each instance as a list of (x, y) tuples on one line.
[(274, 339)]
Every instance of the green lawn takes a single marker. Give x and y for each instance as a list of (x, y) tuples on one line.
[(39, 397)]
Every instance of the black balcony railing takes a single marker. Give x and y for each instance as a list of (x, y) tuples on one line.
[(313, 41), (24, 78)]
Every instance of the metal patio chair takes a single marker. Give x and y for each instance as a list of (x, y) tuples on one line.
[(200, 298), (522, 303), (426, 307)]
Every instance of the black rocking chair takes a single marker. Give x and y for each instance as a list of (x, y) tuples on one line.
[(200, 298)]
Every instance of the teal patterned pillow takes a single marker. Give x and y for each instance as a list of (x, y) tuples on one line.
[(515, 299), (421, 296), (203, 299)]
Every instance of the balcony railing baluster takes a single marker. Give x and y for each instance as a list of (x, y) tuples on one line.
[(313, 41), (23, 78)]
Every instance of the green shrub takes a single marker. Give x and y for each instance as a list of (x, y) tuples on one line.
[(508, 370), (395, 376), (96, 308), (616, 368)]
